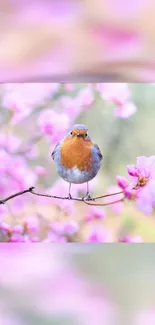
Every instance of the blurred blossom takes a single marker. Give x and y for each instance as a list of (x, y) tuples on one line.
[(70, 107), (17, 229), (52, 125), (85, 97), (71, 228), (54, 238), (63, 229), (21, 99), (98, 235), (41, 171), (95, 214), (11, 142), (17, 174), (31, 225), (126, 110), (119, 94)]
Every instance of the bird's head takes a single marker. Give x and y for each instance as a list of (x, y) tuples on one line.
[(79, 131)]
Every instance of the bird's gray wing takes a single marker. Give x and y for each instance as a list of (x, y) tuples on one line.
[(53, 152), (98, 151)]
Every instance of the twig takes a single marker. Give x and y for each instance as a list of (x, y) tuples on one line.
[(31, 190), (105, 204), (16, 194), (107, 195)]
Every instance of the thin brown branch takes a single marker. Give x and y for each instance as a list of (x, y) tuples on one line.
[(88, 202), (57, 197)]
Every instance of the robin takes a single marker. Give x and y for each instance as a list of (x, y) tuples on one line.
[(77, 158)]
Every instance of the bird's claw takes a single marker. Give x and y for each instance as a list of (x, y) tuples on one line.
[(69, 197), (87, 197)]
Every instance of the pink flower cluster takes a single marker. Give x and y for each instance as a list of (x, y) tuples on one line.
[(142, 183)]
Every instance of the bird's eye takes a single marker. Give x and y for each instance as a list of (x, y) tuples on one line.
[(71, 133), (86, 134)]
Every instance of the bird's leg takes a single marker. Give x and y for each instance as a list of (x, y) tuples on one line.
[(87, 196), (69, 194)]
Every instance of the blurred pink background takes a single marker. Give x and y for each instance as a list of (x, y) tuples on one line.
[(77, 285), (76, 39)]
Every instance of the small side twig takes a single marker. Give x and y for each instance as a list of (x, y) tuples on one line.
[(107, 195), (104, 204), (29, 190)]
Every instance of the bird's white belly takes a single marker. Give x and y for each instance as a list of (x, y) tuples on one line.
[(74, 175)]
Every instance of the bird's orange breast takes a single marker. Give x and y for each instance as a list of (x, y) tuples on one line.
[(76, 152)]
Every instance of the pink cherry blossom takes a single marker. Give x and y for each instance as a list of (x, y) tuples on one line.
[(122, 182), (144, 179)]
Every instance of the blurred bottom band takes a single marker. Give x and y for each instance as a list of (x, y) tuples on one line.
[(77, 284)]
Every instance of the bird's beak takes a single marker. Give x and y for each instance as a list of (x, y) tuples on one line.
[(79, 135)]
